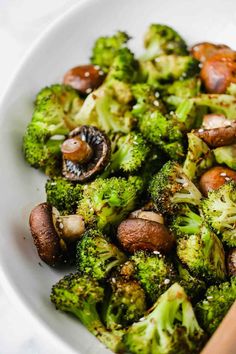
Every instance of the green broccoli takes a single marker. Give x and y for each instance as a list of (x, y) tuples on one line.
[(129, 153), (105, 49), (96, 256), (125, 303), (168, 68), (198, 247), (199, 157), (226, 155), (170, 188), (105, 108), (63, 194), (161, 39), (193, 286), (106, 202), (80, 296), (154, 272), (169, 327), (53, 117), (155, 126), (217, 301), (219, 210), (181, 89)]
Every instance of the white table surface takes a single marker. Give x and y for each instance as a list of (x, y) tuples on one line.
[(21, 21)]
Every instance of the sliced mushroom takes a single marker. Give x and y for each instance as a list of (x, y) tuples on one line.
[(50, 230), (44, 234), (219, 71), (231, 262), (204, 50), (213, 120), (140, 234), (87, 158), (84, 78), (217, 137), (215, 178)]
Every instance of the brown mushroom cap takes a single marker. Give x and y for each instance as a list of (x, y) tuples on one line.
[(84, 78), (217, 137), (231, 262), (44, 234), (204, 50), (101, 147), (215, 178), (141, 234)]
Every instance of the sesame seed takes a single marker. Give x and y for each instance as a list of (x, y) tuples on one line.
[(227, 178), (88, 90), (200, 130), (156, 103), (157, 94), (223, 174), (61, 225), (209, 297), (97, 67), (101, 73), (87, 74), (166, 281)]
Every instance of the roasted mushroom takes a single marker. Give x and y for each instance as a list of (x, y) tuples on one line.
[(231, 262), (217, 137), (219, 71), (48, 239), (213, 120), (204, 50), (215, 178), (142, 234), (85, 153), (84, 78), (147, 215)]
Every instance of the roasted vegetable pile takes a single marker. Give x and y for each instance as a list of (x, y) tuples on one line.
[(140, 155)]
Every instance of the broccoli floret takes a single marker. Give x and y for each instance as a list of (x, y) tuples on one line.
[(181, 89), (129, 153), (226, 155), (198, 247), (161, 39), (106, 48), (219, 210), (154, 272), (52, 119), (63, 194), (125, 304), (167, 68), (80, 296), (156, 127), (96, 256), (170, 188), (124, 67), (199, 157), (169, 327), (193, 286), (106, 202), (216, 303), (105, 109)]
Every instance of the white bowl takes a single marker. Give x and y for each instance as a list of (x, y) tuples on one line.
[(65, 44)]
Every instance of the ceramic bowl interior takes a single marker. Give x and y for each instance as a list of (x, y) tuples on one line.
[(66, 44)]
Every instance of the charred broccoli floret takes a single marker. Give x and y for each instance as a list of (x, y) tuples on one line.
[(226, 155), (129, 153), (106, 202), (217, 301), (161, 39), (219, 210), (105, 108), (167, 68), (155, 126), (169, 327), (199, 157), (198, 247), (63, 194), (53, 117), (154, 272), (125, 303), (96, 256), (80, 296), (193, 286), (170, 188), (105, 49)]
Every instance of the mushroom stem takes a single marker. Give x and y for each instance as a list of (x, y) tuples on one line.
[(147, 215), (76, 150), (68, 227)]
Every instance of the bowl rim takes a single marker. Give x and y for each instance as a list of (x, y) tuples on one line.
[(15, 297)]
